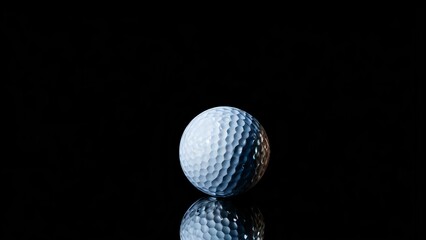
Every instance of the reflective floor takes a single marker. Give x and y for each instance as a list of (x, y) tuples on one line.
[(130, 204)]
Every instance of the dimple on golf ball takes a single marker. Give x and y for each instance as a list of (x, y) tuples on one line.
[(224, 151)]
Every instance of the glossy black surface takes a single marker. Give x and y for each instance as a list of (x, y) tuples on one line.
[(96, 105)]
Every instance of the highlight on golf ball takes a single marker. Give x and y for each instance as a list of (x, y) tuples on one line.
[(211, 218), (224, 151)]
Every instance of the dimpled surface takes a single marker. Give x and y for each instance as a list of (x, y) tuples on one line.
[(224, 151), (210, 218)]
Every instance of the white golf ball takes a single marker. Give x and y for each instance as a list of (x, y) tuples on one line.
[(224, 151)]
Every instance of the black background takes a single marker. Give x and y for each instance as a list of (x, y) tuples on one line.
[(96, 105)]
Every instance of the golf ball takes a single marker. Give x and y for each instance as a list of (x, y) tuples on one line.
[(210, 218), (224, 151)]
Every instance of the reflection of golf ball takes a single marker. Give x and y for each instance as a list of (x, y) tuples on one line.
[(209, 218), (224, 151)]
